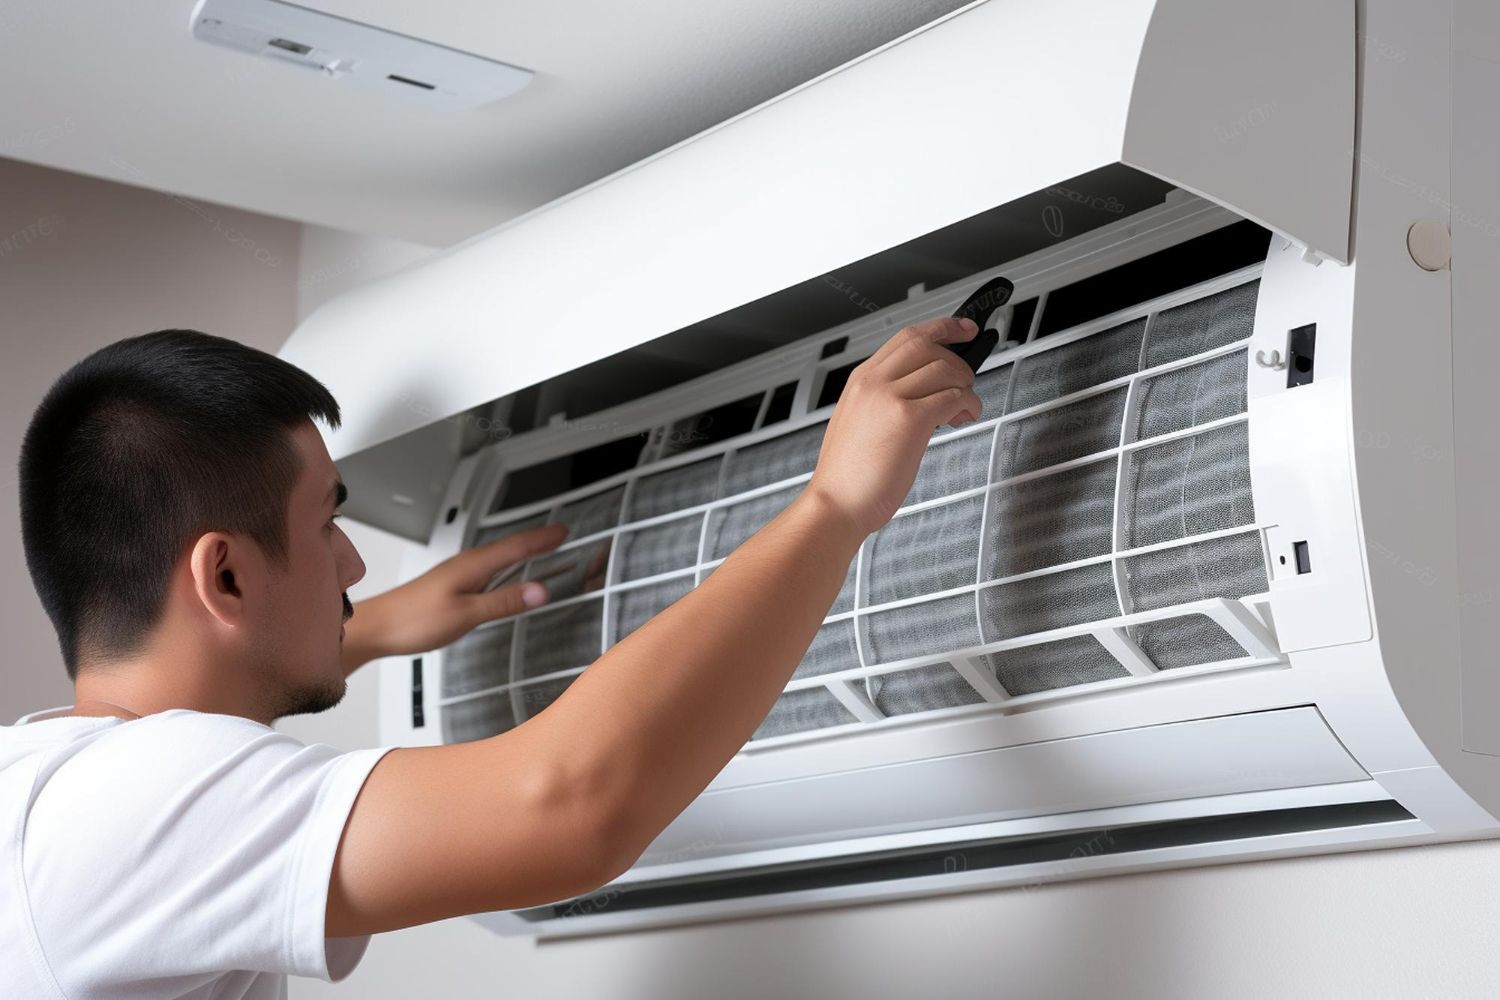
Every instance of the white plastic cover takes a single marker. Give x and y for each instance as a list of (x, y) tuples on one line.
[(997, 101)]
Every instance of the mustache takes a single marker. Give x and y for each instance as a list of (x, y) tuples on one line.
[(348, 608)]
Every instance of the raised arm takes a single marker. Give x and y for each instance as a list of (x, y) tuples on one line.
[(567, 801)]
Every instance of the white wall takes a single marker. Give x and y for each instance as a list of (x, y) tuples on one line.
[(1400, 924)]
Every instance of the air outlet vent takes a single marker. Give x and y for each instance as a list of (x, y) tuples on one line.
[(1074, 847)]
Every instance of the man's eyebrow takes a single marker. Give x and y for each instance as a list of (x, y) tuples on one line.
[(338, 493)]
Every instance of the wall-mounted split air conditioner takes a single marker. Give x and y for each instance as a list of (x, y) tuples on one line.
[(1208, 581)]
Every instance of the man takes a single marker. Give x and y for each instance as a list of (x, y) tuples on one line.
[(159, 839)]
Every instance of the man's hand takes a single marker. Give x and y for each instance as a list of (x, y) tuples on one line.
[(885, 418), (448, 600)]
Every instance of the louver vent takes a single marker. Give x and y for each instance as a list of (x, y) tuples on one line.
[(1097, 528)]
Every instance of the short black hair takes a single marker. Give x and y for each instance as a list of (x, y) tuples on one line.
[(133, 454)]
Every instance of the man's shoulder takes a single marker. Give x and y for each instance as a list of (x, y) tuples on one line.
[(61, 742), (134, 763), (179, 737)]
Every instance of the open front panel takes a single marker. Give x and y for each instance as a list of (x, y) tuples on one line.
[(1095, 528)]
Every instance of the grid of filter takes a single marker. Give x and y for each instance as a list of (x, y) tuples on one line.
[(1111, 476)]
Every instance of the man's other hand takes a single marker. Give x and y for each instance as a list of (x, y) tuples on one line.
[(447, 601)]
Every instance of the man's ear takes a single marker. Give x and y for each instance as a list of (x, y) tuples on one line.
[(218, 569)]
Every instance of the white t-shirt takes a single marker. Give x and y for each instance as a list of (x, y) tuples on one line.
[(178, 855)]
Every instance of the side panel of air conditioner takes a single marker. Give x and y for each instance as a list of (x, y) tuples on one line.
[(1475, 222), (1298, 392)]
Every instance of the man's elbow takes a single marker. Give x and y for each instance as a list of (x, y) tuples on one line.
[(592, 820)]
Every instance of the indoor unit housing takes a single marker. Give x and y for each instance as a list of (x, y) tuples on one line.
[(1211, 578)]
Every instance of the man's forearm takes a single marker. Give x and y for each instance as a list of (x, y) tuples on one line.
[(661, 713)]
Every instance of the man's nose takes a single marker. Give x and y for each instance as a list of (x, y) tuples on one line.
[(352, 566)]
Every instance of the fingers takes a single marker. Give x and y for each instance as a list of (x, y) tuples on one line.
[(950, 405), (935, 375), (477, 565), (506, 601), (909, 349)]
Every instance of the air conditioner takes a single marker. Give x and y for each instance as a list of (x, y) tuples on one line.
[(1213, 578)]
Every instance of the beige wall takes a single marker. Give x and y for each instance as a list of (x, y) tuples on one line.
[(1397, 924), (84, 262)]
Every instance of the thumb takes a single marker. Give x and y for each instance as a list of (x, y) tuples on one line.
[(506, 601)]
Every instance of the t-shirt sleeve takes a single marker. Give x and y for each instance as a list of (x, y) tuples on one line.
[(184, 845)]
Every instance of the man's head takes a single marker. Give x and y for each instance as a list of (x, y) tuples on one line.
[(177, 503)]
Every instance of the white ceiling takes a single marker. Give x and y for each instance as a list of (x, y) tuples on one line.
[(122, 91)]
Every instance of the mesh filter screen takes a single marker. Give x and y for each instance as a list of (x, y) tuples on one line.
[(1231, 567), (486, 535), (535, 697), (593, 513), (1049, 520), (1040, 518), (925, 551), (991, 387), (1060, 435), (676, 489), (950, 467), (1197, 394), (1202, 325), (729, 527), (1079, 365), (800, 711), (920, 629), (633, 608), (1051, 665), (1055, 600), (774, 460), (481, 659), (478, 718), (1188, 486), (832, 649), (572, 571), (925, 689), (561, 638), (1185, 642), (660, 548)]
